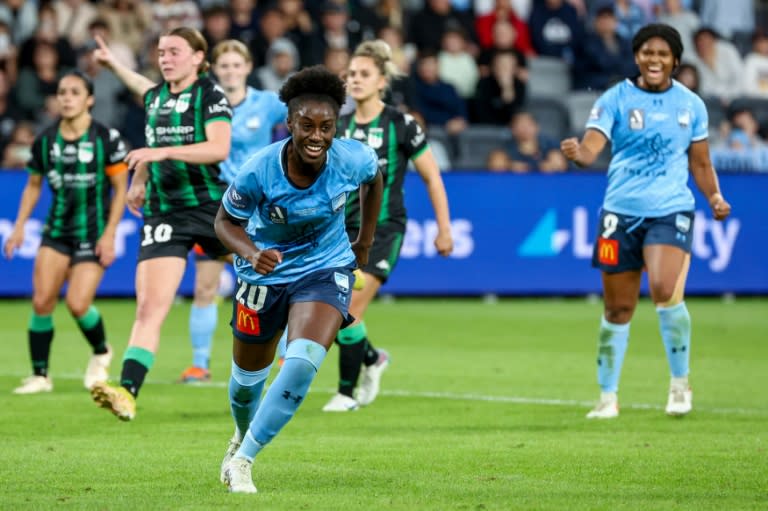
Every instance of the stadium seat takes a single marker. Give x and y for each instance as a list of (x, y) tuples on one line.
[(551, 115), (477, 141), (579, 105), (548, 77)]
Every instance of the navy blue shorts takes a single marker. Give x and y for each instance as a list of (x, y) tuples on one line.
[(259, 312), (621, 238)]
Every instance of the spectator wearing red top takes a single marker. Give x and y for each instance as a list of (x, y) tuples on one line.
[(503, 10)]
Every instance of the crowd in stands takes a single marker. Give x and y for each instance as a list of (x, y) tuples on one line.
[(529, 69)]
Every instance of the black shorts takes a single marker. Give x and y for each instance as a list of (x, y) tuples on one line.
[(385, 252), (174, 234), (621, 238), (77, 251), (259, 312)]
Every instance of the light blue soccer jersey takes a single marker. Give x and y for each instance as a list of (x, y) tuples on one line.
[(253, 121), (305, 224), (650, 133)]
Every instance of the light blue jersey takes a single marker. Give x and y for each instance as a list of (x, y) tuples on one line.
[(305, 224), (650, 133), (253, 121)]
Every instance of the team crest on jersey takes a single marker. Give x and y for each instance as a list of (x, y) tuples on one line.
[(278, 214), (339, 201), (375, 137), (85, 152), (182, 104), (636, 119), (683, 118)]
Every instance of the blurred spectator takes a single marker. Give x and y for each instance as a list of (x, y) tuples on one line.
[(10, 114), (272, 27), (730, 18), (427, 26), (504, 38), (605, 57), (299, 25), (502, 93), (532, 151), (8, 53), (394, 38), (47, 32), (130, 21), (108, 89), (336, 61), (556, 29), (38, 82), (437, 101), (21, 15), (169, 14), (17, 152), (720, 66), (244, 20), (756, 67), (334, 31), (216, 25), (456, 66), (149, 63), (391, 13), (629, 17), (503, 10), (522, 8), (686, 21), (498, 161), (282, 61), (122, 52), (73, 18), (688, 75), (743, 131)]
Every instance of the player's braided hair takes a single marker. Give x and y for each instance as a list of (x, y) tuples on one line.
[(314, 82), (666, 32)]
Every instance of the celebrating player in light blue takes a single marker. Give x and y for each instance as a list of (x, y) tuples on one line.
[(658, 131), (255, 116), (283, 218)]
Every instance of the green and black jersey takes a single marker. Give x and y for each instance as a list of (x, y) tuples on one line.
[(176, 120), (397, 138), (78, 174)]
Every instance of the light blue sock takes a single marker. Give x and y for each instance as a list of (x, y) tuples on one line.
[(675, 326), (202, 324), (282, 344), (282, 399), (610, 354), (245, 388)]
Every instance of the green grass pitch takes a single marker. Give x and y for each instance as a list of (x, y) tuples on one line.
[(482, 409)]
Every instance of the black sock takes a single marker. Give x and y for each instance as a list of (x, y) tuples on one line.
[(350, 360), (95, 337), (132, 376), (39, 350), (371, 354)]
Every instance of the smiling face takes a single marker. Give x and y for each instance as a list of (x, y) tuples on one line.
[(364, 79), (232, 69), (312, 126), (176, 58), (656, 63), (72, 97)]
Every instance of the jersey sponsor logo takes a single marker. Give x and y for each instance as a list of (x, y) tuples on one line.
[(54, 179), (683, 118), (418, 138), (237, 200), (247, 320), (278, 214), (85, 152), (217, 109), (253, 123), (408, 118), (342, 281), (636, 119), (114, 134), (375, 137), (608, 251), (339, 201), (182, 104)]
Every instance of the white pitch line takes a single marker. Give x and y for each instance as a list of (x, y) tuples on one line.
[(451, 396)]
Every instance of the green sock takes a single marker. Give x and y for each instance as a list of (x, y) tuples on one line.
[(92, 327), (136, 363)]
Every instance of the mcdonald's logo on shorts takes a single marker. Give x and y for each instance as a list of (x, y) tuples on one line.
[(247, 320), (608, 251)]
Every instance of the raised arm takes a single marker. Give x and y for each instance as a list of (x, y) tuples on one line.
[(134, 82)]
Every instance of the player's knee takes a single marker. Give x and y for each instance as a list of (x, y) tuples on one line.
[(77, 306), (43, 304), (662, 291), (619, 314)]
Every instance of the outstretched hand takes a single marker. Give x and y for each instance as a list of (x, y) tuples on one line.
[(103, 54)]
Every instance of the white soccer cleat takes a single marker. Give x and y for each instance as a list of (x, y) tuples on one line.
[(341, 403), (98, 369), (680, 401), (370, 380), (34, 385), (234, 445), (606, 408), (237, 476)]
